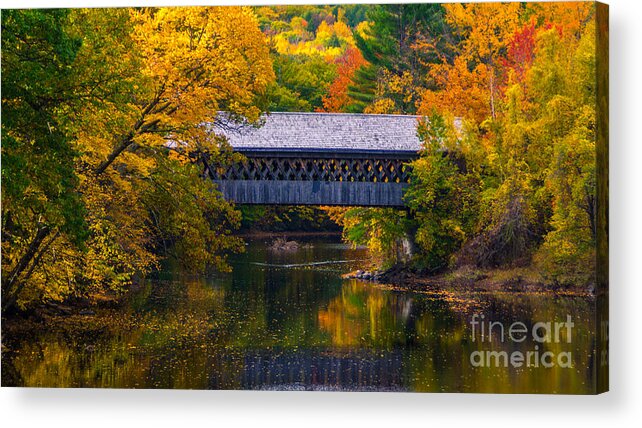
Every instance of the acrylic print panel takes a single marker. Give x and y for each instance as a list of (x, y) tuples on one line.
[(407, 197)]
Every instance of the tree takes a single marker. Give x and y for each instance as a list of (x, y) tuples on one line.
[(337, 98), (382, 230), (301, 82), (568, 251), (389, 44), (196, 61), (486, 29), (464, 83), (39, 198), (462, 92), (443, 195), (142, 88)]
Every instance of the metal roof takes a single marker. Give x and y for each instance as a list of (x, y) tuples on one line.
[(324, 132)]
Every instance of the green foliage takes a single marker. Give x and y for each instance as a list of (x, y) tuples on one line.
[(39, 184), (382, 230), (390, 45), (286, 218), (363, 89), (38, 158), (388, 42), (443, 195), (355, 14), (301, 83)]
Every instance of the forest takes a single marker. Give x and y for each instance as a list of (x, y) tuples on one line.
[(94, 199)]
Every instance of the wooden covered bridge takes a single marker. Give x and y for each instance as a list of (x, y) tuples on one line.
[(320, 159)]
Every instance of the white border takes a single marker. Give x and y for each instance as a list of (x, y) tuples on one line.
[(620, 407)]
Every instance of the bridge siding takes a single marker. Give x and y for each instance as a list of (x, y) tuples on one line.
[(289, 192)]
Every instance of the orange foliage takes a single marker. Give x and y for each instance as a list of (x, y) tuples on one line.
[(571, 17), (462, 93), (337, 98), (470, 86)]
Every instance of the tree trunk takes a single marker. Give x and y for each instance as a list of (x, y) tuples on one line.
[(139, 126), (12, 278), (492, 92), (126, 142)]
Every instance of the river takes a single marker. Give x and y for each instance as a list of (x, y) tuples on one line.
[(288, 321)]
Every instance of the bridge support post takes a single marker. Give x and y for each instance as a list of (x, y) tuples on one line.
[(408, 245)]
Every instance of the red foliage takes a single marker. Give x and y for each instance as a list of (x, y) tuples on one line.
[(337, 98), (521, 50)]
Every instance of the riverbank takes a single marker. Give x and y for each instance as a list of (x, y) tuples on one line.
[(471, 280)]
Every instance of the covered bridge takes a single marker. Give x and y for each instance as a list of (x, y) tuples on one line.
[(320, 159)]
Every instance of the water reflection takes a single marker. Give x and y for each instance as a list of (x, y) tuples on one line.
[(267, 326)]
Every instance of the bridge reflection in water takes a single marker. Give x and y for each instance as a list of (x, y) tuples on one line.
[(319, 370)]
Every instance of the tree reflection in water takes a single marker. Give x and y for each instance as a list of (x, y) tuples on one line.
[(296, 328)]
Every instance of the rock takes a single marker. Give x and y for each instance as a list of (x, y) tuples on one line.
[(87, 312), (63, 310), (591, 288), (280, 244)]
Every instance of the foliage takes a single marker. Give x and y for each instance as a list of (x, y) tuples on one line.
[(443, 194), (302, 82), (533, 147), (396, 65), (309, 45), (125, 105), (286, 218), (337, 98), (513, 182), (383, 230), (39, 198), (568, 252)]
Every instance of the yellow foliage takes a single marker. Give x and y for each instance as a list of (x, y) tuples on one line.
[(486, 27), (155, 75)]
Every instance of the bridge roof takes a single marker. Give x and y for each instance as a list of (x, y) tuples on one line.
[(325, 132)]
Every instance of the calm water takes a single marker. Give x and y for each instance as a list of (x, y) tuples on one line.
[(288, 321)]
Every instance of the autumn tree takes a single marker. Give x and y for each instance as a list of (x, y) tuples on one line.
[(463, 84), (337, 98), (39, 196), (568, 251), (523, 82), (143, 86), (443, 194)]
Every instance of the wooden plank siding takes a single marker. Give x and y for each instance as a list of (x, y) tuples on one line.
[(290, 192)]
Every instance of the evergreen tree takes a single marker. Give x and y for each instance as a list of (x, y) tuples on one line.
[(391, 46)]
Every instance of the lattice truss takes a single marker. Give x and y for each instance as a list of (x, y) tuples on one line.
[(304, 169)]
